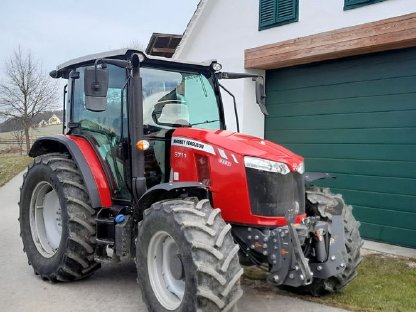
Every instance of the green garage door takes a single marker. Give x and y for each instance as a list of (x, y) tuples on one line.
[(356, 118)]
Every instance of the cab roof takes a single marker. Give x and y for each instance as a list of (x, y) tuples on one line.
[(63, 69)]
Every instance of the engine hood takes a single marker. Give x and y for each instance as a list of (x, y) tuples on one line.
[(241, 144)]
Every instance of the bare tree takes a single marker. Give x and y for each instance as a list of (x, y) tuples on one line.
[(26, 92), (19, 136)]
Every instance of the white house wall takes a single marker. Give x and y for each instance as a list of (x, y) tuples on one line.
[(223, 29)]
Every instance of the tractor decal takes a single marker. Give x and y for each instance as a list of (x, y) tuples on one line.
[(184, 142)]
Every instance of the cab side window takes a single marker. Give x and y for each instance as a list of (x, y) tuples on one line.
[(108, 128)]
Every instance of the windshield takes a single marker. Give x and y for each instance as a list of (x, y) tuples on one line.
[(178, 99)]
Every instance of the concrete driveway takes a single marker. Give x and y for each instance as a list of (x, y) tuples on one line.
[(112, 288)]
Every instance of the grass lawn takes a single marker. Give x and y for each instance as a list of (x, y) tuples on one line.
[(10, 165), (384, 283)]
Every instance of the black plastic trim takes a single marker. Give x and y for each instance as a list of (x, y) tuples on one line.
[(62, 144), (64, 108), (314, 176), (135, 118), (154, 194)]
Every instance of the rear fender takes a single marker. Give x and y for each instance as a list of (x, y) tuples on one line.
[(87, 161)]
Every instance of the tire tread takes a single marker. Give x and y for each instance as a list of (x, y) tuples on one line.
[(78, 260), (216, 266), (353, 244)]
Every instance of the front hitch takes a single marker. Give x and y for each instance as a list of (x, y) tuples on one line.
[(281, 249), (334, 263), (301, 273)]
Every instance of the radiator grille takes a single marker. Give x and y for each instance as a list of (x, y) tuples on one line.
[(272, 194)]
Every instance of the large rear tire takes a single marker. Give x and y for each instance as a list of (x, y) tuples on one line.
[(322, 196), (187, 259), (57, 223)]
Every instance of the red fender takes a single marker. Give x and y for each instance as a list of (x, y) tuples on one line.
[(95, 166)]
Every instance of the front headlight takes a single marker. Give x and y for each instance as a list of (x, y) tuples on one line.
[(266, 165), (301, 168)]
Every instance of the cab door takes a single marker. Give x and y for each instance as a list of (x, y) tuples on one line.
[(107, 131)]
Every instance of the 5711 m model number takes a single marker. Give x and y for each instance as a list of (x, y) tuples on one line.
[(181, 155)]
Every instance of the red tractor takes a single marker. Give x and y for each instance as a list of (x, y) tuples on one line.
[(144, 158)]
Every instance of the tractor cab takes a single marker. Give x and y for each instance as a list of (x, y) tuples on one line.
[(172, 95)]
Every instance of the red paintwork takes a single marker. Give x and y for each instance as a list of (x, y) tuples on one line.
[(228, 178), (96, 169)]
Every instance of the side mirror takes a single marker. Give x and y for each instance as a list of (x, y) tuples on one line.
[(95, 88), (171, 113), (261, 94)]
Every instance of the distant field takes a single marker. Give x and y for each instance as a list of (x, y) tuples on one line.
[(37, 132), (8, 141)]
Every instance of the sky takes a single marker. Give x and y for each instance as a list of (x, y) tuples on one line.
[(56, 31)]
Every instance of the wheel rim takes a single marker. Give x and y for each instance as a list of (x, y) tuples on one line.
[(45, 219), (166, 270)]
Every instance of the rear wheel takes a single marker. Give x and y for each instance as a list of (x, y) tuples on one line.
[(187, 259), (321, 197), (57, 223)]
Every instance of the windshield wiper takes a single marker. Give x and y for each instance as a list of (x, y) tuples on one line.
[(204, 122)]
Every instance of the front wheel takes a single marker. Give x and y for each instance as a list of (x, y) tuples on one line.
[(187, 259), (321, 197)]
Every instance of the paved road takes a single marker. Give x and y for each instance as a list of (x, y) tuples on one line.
[(113, 288)]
